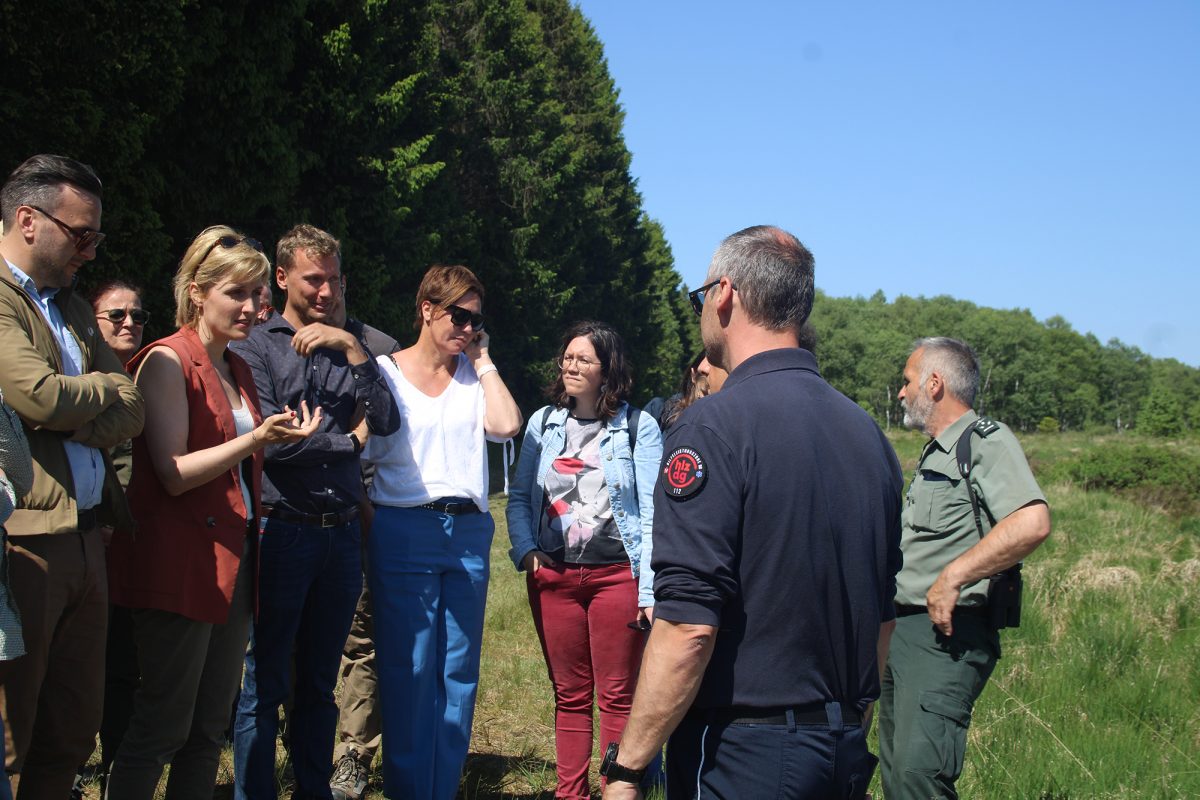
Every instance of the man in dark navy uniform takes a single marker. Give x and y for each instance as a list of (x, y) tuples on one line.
[(776, 545)]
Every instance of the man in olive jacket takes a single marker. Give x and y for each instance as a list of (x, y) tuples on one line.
[(76, 401)]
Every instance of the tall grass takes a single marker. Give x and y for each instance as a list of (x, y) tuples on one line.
[(1097, 693)]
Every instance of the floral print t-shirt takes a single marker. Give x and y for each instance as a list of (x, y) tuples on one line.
[(577, 523)]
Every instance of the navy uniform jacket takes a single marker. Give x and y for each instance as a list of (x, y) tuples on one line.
[(777, 520)]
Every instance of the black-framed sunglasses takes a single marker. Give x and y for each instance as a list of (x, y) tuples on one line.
[(461, 316), (696, 296), (230, 242), (84, 237), (117, 315)]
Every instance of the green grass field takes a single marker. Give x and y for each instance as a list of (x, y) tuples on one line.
[(1097, 694)]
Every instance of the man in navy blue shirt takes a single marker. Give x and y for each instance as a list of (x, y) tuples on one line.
[(310, 571), (776, 545)]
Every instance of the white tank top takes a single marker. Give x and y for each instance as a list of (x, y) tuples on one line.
[(243, 423), (439, 450)]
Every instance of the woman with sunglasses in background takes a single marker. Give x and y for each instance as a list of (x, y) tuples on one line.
[(427, 553), (700, 379), (188, 574), (579, 519), (122, 321)]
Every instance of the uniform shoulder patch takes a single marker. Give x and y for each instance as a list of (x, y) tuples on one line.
[(986, 426), (684, 473)]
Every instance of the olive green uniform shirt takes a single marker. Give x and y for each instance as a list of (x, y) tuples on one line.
[(937, 523)]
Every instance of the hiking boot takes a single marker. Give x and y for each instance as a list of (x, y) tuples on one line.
[(350, 778), (76, 789)]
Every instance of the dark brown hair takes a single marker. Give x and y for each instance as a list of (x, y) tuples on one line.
[(111, 285), (39, 181), (687, 392), (617, 380)]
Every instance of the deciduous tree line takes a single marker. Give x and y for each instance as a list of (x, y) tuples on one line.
[(1035, 375)]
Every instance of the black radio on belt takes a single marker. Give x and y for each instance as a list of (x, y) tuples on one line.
[(1004, 598)]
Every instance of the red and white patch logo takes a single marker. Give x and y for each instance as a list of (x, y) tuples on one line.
[(684, 473)]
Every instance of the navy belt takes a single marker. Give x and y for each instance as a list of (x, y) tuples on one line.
[(453, 508), (330, 519), (85, 519), (801, 715)]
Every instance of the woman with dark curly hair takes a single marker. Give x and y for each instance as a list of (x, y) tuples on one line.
[(579, 517)]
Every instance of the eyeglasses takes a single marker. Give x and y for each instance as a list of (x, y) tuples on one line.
[(230, 242), (117, 315), (696, 296), (461, 316), (583, 364), (84, 237)]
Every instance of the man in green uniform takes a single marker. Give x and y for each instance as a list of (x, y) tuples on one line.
[(945, 646)]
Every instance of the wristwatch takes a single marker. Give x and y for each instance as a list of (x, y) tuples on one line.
[(354, 441), (613, 771)]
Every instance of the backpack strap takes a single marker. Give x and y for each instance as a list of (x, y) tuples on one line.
[(634, 416), (985, 427)]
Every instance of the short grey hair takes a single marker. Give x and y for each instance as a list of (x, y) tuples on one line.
[(772, 272), (955, 361)]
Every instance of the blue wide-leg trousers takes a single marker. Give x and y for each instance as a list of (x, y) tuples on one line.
[(428, 577)]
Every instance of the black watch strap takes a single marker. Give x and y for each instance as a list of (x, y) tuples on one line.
[(613, 771)]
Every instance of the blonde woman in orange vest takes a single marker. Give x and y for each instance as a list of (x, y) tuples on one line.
[(187, 571)]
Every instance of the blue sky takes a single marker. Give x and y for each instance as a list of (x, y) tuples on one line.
[(1018, 155)]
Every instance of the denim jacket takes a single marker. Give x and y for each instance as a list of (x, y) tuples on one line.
[(630, 479)]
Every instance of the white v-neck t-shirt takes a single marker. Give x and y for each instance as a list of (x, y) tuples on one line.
[(439, 450)]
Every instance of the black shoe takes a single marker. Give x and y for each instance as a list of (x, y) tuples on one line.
[(77, 787)]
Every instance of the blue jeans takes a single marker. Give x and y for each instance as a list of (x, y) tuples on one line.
[(799, 761), (309, 579), (428, 576)]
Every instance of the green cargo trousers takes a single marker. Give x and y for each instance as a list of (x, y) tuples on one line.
[(929, 688)]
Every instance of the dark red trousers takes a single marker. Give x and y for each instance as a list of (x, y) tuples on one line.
[(582, 615)]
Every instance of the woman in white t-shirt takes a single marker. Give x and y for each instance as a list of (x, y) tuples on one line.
[(431, 535)]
